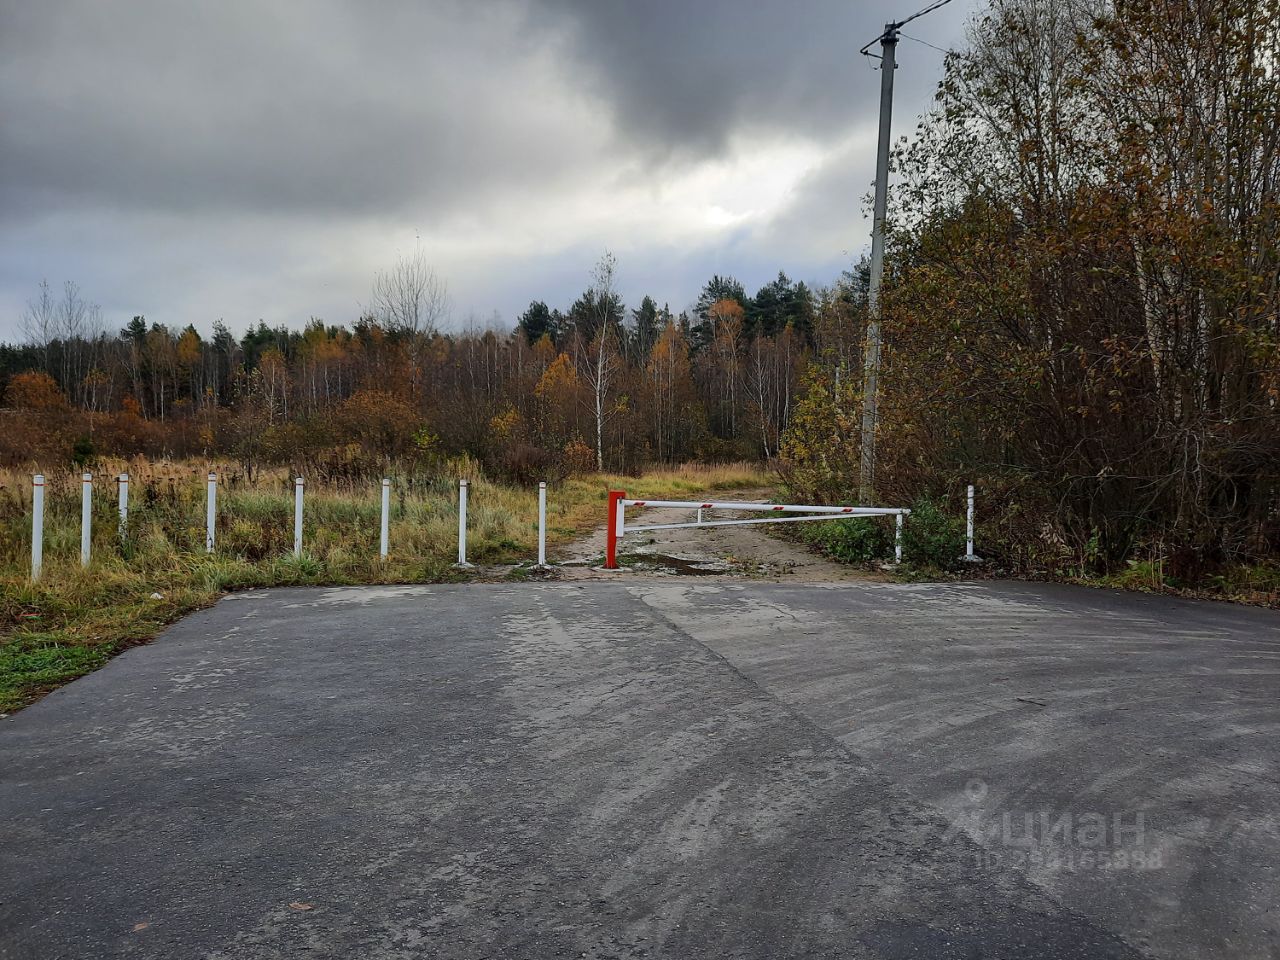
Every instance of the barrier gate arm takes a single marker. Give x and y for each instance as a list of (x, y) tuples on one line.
[(618, 502)]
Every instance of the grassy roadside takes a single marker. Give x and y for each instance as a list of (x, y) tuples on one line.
[(933, 542), (1255, 584), (74, 620)]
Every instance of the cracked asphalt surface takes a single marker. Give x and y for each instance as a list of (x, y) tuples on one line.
[(645, 767)]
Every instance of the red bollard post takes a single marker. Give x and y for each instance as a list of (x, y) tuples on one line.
[(611, 534)]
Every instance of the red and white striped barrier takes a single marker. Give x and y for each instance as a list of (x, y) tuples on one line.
[(617, 526)]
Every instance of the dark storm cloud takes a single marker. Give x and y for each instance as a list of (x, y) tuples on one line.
[(687, 75)]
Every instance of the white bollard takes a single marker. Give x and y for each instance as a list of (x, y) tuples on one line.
[(37, 525), (86, 517), (462, 524), (968, 530), (897, 539), (386, 519), (542, 523), (297, 516), (211, 512), (123, 482)]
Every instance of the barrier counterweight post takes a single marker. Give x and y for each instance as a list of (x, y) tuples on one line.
[(613, 529), (86, 517), (123, 482), (386, 519), (211, 512), (542, 523), (968, 530), (37, 525), (897, 539), (298, 484), (462, 524)]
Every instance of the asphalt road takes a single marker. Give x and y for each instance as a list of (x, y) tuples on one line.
[(674, 767)]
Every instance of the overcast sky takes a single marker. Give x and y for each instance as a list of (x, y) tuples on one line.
[(265, 158)]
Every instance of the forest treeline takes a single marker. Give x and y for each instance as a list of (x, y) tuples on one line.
[(1081, 315), (593, 386)]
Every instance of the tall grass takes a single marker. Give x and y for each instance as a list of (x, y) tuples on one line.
[(74, 619)]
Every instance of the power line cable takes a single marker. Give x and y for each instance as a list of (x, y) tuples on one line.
[(929, 9), (906, 36)]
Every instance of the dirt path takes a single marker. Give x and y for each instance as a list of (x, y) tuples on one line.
[(748, 551)]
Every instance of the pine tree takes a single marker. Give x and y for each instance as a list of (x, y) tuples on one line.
[(537, 322)]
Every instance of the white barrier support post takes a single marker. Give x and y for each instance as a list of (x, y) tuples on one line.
[(386, 519), (37, 525), (211, 512), (123, 482), (298, 483), (542, 523), (462, 524), (968, 530), (897, 539), (86, 517)]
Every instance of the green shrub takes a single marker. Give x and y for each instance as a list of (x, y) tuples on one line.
[(82, 451), (932, 538), (854, 539)]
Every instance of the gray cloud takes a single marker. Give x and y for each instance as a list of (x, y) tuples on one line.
[(304, 107), (262, 159), (686, 76)]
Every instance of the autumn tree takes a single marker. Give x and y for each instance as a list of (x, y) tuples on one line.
[(676, 419), (598, 350), (716, 290), (40, 421), (559, 395), (773, 368), (410, 300), (381, 424), (1081, 287), (820, 449), (723, 360)]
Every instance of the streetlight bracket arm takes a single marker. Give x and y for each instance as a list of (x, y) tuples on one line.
[(890, 34)]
